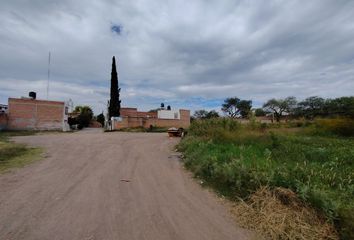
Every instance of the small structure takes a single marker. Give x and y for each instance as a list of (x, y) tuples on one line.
[(3, 108), (32, 114), (131, 118), (3, 116)]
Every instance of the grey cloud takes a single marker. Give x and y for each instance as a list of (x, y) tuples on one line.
[(116, 28), (204, 50)]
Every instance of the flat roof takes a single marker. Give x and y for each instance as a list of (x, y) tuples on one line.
[(35, 100)]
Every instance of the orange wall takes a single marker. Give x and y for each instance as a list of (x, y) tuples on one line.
[(132, 119), (29, 114), (133, 112)]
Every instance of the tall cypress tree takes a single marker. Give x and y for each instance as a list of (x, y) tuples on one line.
[(114, 103)]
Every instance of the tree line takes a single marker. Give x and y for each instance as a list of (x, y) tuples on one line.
[(308, 108)]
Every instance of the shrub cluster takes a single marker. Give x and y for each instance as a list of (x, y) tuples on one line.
[(338, 126)]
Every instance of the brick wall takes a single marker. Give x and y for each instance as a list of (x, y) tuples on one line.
[(133, 112), (29, 114), (132, 118), (122, 124), (183, 122)]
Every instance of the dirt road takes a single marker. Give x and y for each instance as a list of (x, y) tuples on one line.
[(102, 186)]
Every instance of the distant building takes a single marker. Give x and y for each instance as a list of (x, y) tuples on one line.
[(131, 117), (33, 114)]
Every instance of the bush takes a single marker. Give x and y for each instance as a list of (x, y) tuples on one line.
[(101, 119), (84, 119), (14, 155), (338, 126), (213, 127), (85, 115)]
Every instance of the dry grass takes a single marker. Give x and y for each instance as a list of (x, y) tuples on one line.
[(280, 214), (14, 155)]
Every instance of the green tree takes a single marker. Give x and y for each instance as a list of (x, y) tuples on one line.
[(236, 107), (85, 115), (259, 112), (280, 106), (204, 114), (311, 107), (114, 103), (100, 118), (200, 114), (212, 114), (343, 106)]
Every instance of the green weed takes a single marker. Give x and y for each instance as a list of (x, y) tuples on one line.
[(237, 159), (14, 155)]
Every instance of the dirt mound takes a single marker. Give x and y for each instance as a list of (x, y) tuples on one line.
[(280, 214)]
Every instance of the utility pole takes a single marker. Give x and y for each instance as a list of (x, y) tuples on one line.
[(48, 75)]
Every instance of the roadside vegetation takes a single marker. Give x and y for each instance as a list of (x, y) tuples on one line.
[(14, 155), (81, 117), (311, 163)]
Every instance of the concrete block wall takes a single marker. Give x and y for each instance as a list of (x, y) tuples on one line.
[(29, 114)]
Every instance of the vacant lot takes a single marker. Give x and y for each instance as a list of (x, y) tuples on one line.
[(95, 185), (237, 160)]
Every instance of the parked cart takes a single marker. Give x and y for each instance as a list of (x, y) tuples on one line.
[(175, 132)]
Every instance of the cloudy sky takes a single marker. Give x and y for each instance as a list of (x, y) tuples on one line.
[(189, 54)]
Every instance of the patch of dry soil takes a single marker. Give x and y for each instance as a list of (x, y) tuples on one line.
[(95, 186)]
